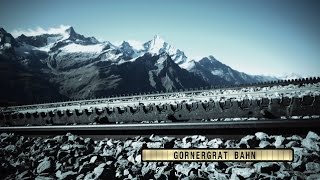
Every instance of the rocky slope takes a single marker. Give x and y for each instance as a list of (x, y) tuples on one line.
[(20, 83)]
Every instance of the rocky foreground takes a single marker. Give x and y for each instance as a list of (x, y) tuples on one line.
[(73, 157)]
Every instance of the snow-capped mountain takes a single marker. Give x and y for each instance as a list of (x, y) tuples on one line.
[(21, 84), (76, 66), (214, 71), (155, 46), (158, 45), (7, 42)]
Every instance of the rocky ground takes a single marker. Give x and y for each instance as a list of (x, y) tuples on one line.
[(73, 157)]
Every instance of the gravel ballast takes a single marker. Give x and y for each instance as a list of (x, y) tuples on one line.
[(74, 157)]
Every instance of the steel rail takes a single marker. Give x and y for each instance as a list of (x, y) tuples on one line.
[(252, 124)]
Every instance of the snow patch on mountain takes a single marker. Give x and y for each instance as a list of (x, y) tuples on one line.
[(188, 65), (7, 45), (217, 72), (162, 59), (74, 48)]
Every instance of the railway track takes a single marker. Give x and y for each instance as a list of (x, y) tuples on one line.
[(230, 128), (119, 100), (170, 100), (281, 101), (276, 119)]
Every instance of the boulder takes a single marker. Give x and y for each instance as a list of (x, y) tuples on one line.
[(154, 144), (66, 175), (292, 144), (219, 176), (44, 178), (312, 167), (313, 136), (99, 172), (261, 136), (86, 167), (283, 174), (215, 143), (185, 168), (266, 167), (88, 141), (313, 177), (25, 174), (211, 167), (264, 144), (102, 172), (278, 141), (248, 141), (80, 177), (243, 172), (311, 142), (10, 148), (45, 166), (230, 144), (137, 145), (294, 138)]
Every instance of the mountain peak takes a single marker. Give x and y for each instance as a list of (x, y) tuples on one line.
[(125, 44), (154, 45), (70, 30), (2, 30), (157, 40), (211, 57), (157, 37), (74, 36)]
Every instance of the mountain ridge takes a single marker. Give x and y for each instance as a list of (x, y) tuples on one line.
[(83, 67)]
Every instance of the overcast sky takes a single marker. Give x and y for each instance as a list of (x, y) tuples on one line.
[(256, 37)]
